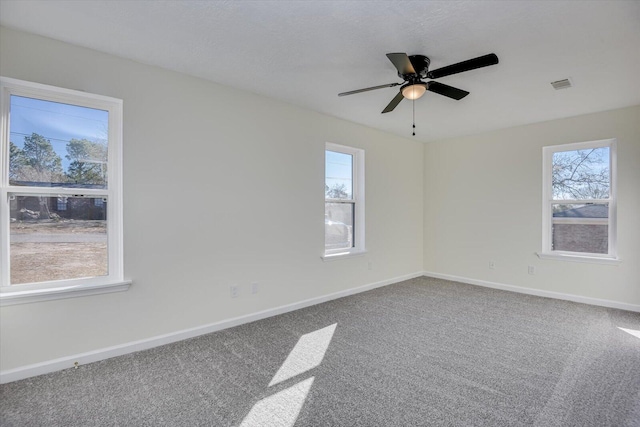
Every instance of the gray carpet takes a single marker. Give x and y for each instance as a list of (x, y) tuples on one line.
[(423, 352)]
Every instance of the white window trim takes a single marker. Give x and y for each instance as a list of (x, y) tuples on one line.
[(114, 281), (343, 255), (571, 256), (547, 200), (358, 200)]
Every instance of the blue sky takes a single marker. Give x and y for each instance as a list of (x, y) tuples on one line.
[(338, 169), (56, 122)]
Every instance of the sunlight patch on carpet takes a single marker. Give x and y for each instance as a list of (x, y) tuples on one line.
[(631, 331), (280, 409), (306, 355)]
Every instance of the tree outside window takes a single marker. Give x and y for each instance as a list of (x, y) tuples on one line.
[(579, 213)]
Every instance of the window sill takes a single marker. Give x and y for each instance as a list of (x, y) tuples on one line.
[(343, 255), (39, 295), (579, 258)]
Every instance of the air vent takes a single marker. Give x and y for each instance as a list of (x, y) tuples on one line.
[(562, 84)]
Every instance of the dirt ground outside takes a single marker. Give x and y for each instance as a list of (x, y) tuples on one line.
[(55, 250)]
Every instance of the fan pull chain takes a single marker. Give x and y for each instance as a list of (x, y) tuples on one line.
[(414, 117)]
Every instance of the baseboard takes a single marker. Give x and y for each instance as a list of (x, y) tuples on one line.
[(537, 292), (28, 371)]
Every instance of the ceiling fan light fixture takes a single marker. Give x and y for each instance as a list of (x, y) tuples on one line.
[(414, 91)]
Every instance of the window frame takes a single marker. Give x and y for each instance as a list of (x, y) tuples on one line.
[(55, 289), (547, 252), (357, 200)]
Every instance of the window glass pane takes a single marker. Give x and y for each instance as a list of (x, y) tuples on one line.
[(338, 175), (54, 144), (581, 174), (581, 228), (338, 225), (56, 238)]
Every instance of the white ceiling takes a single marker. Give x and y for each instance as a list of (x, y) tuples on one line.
[(306, 52)]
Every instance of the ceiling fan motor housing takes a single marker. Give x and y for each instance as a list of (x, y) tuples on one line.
[(420, 64)]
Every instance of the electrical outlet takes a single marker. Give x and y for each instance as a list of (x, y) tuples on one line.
[(492, 265), (234, 291), (255, 287), (531, 270), (370, 265)]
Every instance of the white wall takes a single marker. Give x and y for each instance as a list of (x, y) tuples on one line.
[(220, 187), (483, 201), (226, 187)]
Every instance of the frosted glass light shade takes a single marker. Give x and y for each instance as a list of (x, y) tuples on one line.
[(414, 91)]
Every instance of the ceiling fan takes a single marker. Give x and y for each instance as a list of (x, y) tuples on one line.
[(412, 69)]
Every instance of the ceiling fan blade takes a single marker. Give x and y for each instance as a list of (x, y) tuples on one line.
[(394, 103), (402, 63), (368, 88), (470, 64), (446, 90)]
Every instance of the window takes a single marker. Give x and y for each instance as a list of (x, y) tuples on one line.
[(579, 201), (62, 203), (60, 193), (344, 200)]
